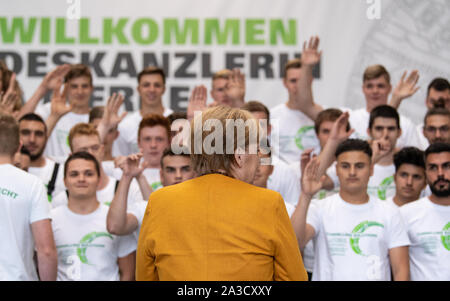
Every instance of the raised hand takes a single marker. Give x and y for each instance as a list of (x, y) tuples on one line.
[(111, 116), (7, 103), (235, 89), (305, 158), (311, 181), (339, 130), (405, 88), (10, 97), (55, 78), (197, 101), (310, 54), (131, 166), (58, 105), (380, 148)]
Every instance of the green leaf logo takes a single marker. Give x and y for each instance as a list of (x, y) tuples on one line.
[(359, 229), (445, 238), (86, 240), (383, 186), (302, 133)]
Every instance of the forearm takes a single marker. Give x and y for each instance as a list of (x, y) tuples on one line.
[(395, 101), (305, 99), (47, 263), (326, 156), (31, 104), (144, 187), (298, 220), (117, 215), (51, 122)]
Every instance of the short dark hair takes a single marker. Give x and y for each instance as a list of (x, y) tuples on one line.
[(256, 106), (152, 70), (78, 70), (9, 135), (33, 117), (169, 152), (330, 114), (436, 148), (436, 111), (82, 155), (176, 115), (96, 113), (375, 71), (384, 111), (350, 145), (438, 84), (152, 120), (409, 155)]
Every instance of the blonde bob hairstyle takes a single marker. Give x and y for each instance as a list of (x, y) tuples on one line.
[(239, 133)]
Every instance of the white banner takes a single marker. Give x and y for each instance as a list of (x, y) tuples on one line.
[(192, 39)]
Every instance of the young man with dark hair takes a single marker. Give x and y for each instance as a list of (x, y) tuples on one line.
[(409, 176), (151, 88), (436, 126), (384, 130), (428, 220), (25, 225), (81, 221), (33, 135), (356, 236)]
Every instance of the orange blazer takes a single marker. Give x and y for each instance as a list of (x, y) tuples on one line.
[(217, 228)]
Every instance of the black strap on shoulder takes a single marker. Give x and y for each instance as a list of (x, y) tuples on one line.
[(51, 184), (117, 185)]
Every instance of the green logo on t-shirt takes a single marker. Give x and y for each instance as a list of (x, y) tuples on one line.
[(304, 133), (357, 233), (156, 185), (85, 243), (445, 238), (383, 187)]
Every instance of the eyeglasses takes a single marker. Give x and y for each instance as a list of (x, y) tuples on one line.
[(442, 129)]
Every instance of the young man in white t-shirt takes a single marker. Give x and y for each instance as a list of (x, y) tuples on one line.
[(436, 127), (384, 131), (86, 251), (78, 88), (84, 137), (25, 225), (283, 178), (409, 176), (33, 135), (292, 128), (151, 88), (356, 236), (124, 220), (428, 220)]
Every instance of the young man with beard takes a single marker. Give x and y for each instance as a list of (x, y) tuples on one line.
[(436, 126), (428, 220), (33, 135), (409, 176)]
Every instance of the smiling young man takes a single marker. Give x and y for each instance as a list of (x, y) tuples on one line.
[(428, 220), (151, 88), (78, 85), (356, 236), (409, 176), (86, 251)]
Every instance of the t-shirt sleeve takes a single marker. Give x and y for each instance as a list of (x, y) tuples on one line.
[(126, 245), (40, 208), (288, 263), (397, 232)]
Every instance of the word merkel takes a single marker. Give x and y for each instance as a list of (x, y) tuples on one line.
[(147, 31)]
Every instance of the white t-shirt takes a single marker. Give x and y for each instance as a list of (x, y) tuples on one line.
[(86, 251), (352, 242), (111, 171), (381, 183), (106, 195), (294, 132), (285, 181), (127, 143), (45, 174), (428, 226), (153, 178), (359, 120), (23, 201), (58, 143)]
